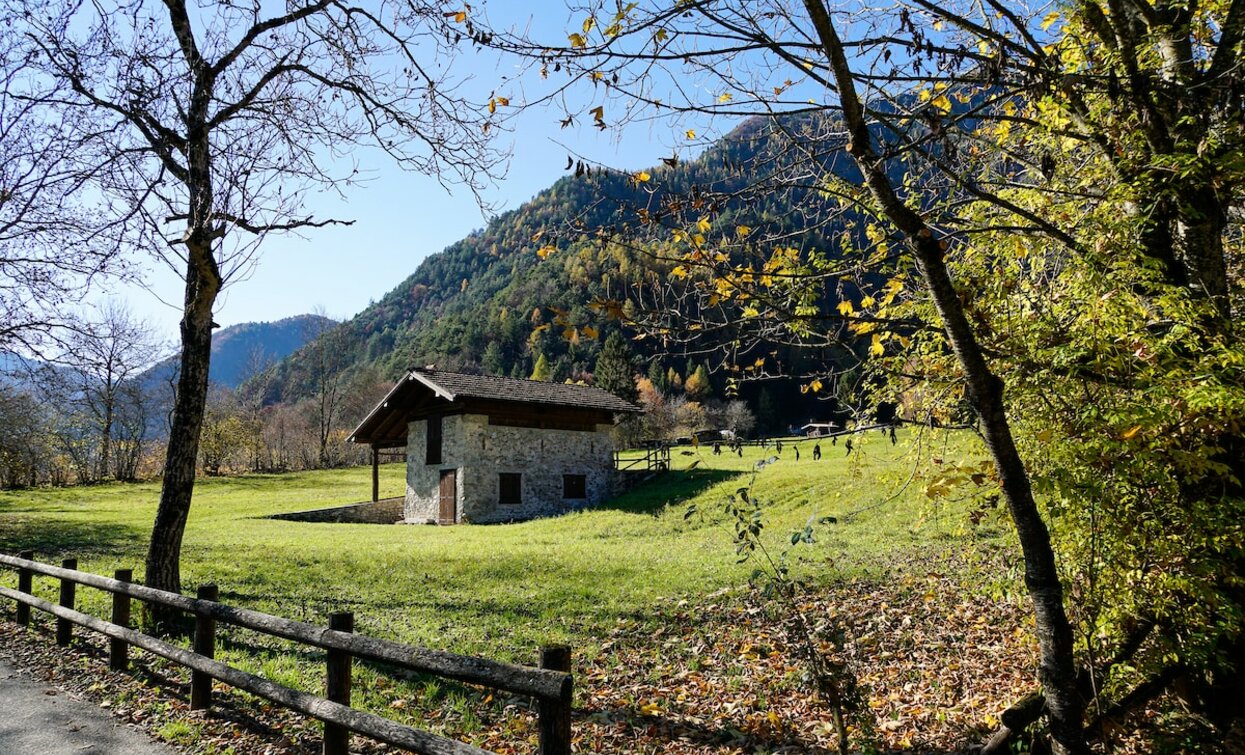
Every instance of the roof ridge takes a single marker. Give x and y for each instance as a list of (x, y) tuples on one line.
[(426, 371)]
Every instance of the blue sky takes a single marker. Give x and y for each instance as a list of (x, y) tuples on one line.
[(401, 218)]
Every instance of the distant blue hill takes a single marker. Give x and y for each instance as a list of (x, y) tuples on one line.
[(238, 349)]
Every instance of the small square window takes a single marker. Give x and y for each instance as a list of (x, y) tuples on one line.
[(510, 487), (574, 486)]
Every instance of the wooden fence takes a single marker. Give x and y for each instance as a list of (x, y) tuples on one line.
[(551, 684)]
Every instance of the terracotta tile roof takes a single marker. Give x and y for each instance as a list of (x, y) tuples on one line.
[(454, 385)]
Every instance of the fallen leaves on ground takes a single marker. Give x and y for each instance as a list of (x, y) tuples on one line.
[(936, 664)]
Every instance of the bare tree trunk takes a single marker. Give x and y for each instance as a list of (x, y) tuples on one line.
[(163, 557), (1057, 667), (105, 450), (1199, 236)]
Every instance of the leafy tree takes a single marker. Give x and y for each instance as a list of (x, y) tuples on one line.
[(541, 370), (674, 381), (615, 371), (224, 114), (698, 387), (1123, 178)]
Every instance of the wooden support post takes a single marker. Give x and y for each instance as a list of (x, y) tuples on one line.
[(337, 687), (555, 716), (375, 474), (25, 583), (64, 629), (118, 650), (204, 645)]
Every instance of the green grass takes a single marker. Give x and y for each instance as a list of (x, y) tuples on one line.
[(488, 587), (500, 590)]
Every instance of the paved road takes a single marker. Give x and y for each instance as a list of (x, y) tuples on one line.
[(38, 719)]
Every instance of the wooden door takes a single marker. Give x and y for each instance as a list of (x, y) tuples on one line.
[(449, 497)]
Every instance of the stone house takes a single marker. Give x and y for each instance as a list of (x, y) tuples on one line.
[(492, 449)]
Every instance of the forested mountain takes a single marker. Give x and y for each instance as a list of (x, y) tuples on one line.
[(492, 303), (240, 351)]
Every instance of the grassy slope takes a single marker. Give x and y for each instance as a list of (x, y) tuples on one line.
[(490, 588), (498, 590)]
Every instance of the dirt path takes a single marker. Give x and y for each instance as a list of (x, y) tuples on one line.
[(40, 719)]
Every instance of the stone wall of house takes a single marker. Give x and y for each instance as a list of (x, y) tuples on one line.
[(481, 452)]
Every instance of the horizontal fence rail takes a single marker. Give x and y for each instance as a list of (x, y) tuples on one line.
[(551, 685)]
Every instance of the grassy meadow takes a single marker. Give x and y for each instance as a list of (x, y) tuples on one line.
[(503, 590)]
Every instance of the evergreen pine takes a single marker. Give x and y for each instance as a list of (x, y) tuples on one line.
[(657, 376), (614, 370), (494, 359)]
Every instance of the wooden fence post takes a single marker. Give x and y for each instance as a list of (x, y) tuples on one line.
[(118, 650), (337, 686), (204, 645), (555, 716), (64, 629), (375, 474), (25, 583)]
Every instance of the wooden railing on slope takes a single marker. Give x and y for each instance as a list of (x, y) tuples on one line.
[(656, 458), (551, 684)]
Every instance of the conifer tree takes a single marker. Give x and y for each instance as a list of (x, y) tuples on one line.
[(615, 370)]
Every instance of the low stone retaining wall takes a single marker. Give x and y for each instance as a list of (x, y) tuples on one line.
[(387, 511)]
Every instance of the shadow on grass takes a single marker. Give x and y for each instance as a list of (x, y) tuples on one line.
[(665, 488), (51, 537)]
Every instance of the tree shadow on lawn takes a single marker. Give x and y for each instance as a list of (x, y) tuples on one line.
[(668, 488), (53, 537)]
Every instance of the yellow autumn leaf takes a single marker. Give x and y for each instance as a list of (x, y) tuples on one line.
[(589, 332), (545, 251), (589, 22), (1130, 433), (642, 176), (742, 230), (1050, 20), (942, 103), (679, 272), (866, 302), (845, 308), (577, 40), (875, 347), (702, 225), (726, 97), (691, 134)]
